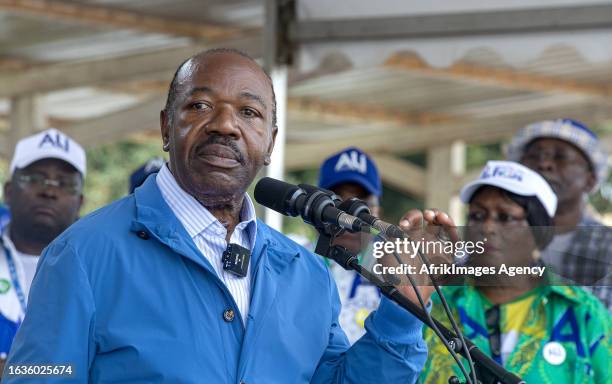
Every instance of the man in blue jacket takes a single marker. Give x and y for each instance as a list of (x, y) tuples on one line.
[(136, 292)]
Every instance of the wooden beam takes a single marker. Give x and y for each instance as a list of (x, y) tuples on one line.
[(400, 174), (309, 109), (107, 129), (410, 138), (102, 130), (159, 64), (445, 163), (439, 178), (14, 64), (25, 116), (404, 140), (498, 77), (518, 105), (118, 125), (114, 17), (485, 22)]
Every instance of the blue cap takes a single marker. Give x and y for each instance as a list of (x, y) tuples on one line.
[(351, 165), (140, 175)]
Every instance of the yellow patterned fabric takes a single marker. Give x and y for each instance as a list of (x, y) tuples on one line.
[(563, 335)]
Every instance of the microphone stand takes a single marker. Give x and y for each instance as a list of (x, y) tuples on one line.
[(487, 370)]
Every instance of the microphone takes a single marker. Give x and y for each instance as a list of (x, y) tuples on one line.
[(316, 207), (311, 188), (359, 208)]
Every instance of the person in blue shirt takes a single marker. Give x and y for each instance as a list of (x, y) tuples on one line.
[(351, 173), (136, 292)]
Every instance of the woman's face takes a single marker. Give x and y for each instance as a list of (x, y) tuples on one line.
[(502, 225)]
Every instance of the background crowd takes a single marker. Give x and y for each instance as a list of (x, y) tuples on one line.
[(532, 207)]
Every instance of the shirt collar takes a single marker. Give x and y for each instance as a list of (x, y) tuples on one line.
[(6, 239), (193, 215)]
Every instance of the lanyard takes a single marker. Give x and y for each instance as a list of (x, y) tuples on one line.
[(13, 272)]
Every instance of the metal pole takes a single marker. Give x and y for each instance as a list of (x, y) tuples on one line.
[(275, 62), (276, 169)]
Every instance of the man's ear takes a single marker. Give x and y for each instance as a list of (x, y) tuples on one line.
[(590, 182), (165, 130), (81, 201), (268, 157), (8, 189), (272, 141)]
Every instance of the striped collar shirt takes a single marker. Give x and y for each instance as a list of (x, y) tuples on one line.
[(209, 234)]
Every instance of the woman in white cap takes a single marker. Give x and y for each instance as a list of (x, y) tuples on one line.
[(544, 333)]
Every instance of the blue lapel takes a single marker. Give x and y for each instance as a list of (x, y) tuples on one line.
[(269, 259), (156, 218)]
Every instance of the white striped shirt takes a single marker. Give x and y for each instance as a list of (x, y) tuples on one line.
[(208, 234)]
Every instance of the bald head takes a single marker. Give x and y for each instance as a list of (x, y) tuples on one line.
[(186, 69)]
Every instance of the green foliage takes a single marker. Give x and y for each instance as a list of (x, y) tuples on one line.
[(478, 155), (109, 168)]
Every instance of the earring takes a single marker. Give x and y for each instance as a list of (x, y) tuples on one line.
[(166, 147), (267, 160)]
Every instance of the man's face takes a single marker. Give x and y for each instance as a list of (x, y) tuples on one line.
[(44, 198), (222, 126), (355, 242), (564, 167)]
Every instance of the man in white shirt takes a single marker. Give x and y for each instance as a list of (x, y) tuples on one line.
[(44, 195)]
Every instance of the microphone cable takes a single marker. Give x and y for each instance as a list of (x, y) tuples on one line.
[(435, 328), (450, 316), (358, 208)]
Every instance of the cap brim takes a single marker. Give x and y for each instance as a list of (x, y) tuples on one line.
[(354, 178), (31, 160), (468, 191)]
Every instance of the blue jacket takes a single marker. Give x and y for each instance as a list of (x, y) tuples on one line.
[(125, 296)]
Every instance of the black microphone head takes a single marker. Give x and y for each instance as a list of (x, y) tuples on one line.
[(311, 189), (354, 206), (277, 195)]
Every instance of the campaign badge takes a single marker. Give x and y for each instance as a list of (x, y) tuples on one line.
[(360, 317), (5, 286), (554, 353)]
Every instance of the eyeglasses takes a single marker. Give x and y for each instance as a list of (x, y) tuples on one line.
[(561, 157), (478, 217), (41, 182)]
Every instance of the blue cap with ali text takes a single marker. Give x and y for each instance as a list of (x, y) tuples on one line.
[(351, 165)]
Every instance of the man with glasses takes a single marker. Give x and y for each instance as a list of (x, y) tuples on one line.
[(570, 157), (44, 195)]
